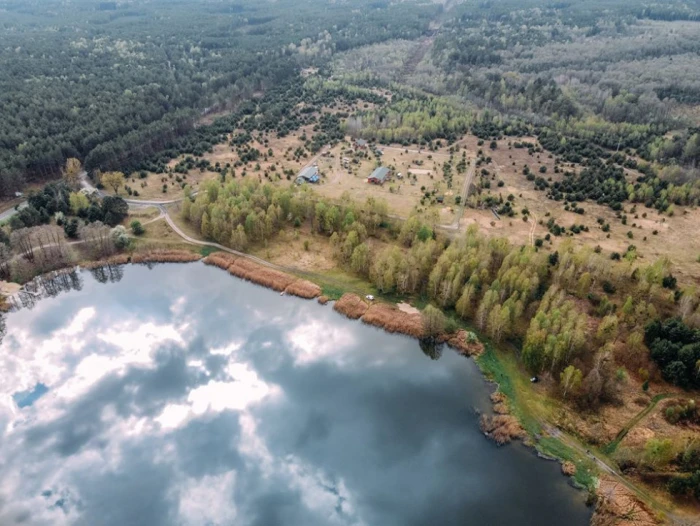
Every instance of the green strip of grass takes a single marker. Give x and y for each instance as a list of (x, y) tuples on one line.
[(502, 368), (208, 249), (586, 470)]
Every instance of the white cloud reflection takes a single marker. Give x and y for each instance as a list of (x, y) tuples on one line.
[(315, 341), (96, 439)]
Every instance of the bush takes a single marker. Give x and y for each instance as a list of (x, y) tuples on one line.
[(71, 228), (119, 237), (137, 228)]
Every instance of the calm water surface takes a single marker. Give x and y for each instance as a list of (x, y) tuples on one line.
[(180, 395)]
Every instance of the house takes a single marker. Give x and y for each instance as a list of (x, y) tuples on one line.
[(308, 175), (361, 144), (379, 175)]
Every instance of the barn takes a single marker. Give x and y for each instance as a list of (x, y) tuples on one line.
[(379, 175), (308, 175)]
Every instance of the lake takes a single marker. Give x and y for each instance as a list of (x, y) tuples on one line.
[(181, 395)]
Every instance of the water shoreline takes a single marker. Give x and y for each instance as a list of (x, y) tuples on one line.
[(504, 425)]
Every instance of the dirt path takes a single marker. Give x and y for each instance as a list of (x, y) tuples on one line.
[(532, 230), (464, 194), (416, 57), (612, 446), (602, 464)]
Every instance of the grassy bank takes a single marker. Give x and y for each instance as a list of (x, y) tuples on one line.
[(531, 409)]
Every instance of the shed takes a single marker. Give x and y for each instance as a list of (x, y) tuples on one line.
[(361, 144), (379, 175), (308, 175)]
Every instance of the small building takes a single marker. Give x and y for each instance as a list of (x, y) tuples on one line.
[(308, 175), (361, 144), (379, 175)]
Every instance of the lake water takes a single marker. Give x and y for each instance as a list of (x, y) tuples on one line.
[(181, 395)]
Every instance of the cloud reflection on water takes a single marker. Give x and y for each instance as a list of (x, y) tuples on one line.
[(183, 396)]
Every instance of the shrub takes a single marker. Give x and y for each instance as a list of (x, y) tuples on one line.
[(136, 227)]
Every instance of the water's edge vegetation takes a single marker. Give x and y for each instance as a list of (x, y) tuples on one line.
[(497, 364)]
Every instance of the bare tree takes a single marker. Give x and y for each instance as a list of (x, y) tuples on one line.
[(98, 239)]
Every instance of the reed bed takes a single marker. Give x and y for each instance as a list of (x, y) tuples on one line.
[(502, 429), (500, 403), (460, 343), (394, 320), (351, 305), (260, 274), (219, 259), (165, 256), (304, 289), (118, 259)]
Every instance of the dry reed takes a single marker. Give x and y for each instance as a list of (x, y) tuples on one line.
[(500, 403), (260, 274), (165, 256), (501, 428), (219, 259), (118, 259), (459, 342), (323, 300), (304, 289), (392, 319), (351, 305)]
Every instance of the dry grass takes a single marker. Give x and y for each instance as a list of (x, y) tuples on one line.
[(304, 289), (257, 273), (298, 248), (502, 429), (351, 305), (219, 259), (500, 403), (267, 277), (460, 343), (568, 468), (401, 195), (118, 259), (392, 319), (618, 506), (323, 300), (165, 256)]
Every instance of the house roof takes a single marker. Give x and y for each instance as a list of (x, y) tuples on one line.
[(309, 172), (380, 174), (361, 142)]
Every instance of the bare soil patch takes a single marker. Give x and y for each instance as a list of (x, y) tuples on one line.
[(408, 309)]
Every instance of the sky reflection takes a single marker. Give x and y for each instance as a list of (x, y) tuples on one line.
[(180, 395)]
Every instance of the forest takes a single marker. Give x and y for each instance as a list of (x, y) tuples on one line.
[(112, 83), (606, 90)]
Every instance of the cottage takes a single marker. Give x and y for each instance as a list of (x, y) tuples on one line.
[(379, 175), (361, 144), (308, 175)]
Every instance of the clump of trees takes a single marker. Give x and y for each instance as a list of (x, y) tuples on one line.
[(675, 347)]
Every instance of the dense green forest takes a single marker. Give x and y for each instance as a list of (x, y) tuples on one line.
[(112, 83)]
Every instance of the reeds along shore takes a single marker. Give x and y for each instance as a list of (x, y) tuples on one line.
[(151, 256), (256, 273), (392, 319)]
